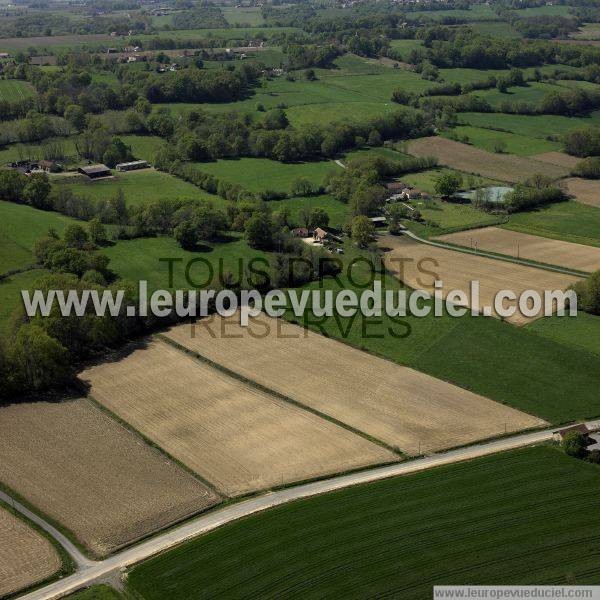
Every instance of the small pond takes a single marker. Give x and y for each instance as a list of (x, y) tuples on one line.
[(493, 193)]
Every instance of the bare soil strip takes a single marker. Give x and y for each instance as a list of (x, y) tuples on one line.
[(409, 260), (404, 408), (86, 471), (26, 557), (237, 437), (586, 191), (560, 159), (506, 167), (530, 247)]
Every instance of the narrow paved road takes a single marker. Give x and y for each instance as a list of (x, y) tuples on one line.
[(503, 257), (90, 573)]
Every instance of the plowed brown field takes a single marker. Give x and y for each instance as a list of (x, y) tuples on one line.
[(26, 557), (559, 159), (586, 191), (402, 407), (89, 473), (235, 436)]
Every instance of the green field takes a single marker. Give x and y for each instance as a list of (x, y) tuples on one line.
[(259, 174), (539, 126), (10, 294), (425, 180), (20, 227), (339, 213), (13, 90), (495, 29), (405, 47), (557, 10), (144, 147), (243, 15), (139, 187), (97, 592), (476, 12), (582, 331), (570, 221), (522, 517), (533, 93), (487, 139), (14, 152)]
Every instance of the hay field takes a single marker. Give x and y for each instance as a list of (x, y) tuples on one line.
[(26, 556), (505, 167), (236, 437), (586, 191), (457, 270), (559, 159), (402, 407), (86, 471), (532, 247)]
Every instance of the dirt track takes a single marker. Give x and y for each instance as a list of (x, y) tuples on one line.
[(26, 557), (531, 247), (457, 269), (402, 407), (73, 462), (238, 438), (505, 167), (586, 191)]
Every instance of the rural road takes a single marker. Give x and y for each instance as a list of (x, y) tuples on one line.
[(505, 258), (94, 571)]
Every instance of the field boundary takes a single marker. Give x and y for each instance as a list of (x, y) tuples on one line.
[(199, 357)]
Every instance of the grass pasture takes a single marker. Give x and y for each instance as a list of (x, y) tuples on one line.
[(454, 525), (139, 187), (26, 556), (235, 436), (10, 294), (569, 221), (339, 213), (13, 90), (84, 470), (240, 15), (398, 406), (530, 247), (504, 167), (260, 174), (582, 331)]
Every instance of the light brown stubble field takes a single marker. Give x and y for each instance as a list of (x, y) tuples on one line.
[(235, 436), (531, 247), (560, 159), (586, 191), (505, 167), (457, 269), (395, 404), (79, 466), (26, 557)]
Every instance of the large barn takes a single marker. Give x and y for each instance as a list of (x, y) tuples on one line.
[(95, 171)]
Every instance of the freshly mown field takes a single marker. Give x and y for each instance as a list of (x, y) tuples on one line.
[(568, 221), (139, 187), (473, 160), (531, 247), (523, 517), (457, 269), (582, 331), (260, 174), (88, 473), (13, 90), (235, 436), (26, 556), (399, 406), (502, 141), (586, 191)]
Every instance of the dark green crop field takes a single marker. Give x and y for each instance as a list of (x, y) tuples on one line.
[(523, 517)]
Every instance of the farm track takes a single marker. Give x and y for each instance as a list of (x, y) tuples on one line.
[(111, 567)]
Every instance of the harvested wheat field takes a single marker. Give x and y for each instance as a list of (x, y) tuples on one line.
[(586, 191), (26, 556), (531, 247), (560, 159), (235, 436), (74, 463), (457, 269), (505, 167), (404, 408)]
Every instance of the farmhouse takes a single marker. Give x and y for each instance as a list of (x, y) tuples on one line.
[(300, 232), (396, 186), (320, 235), (378, 221), (133, 165), (95, 171), (560, 434)]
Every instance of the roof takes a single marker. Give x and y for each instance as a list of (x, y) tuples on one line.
[(574, 428), (395, 185), (46, 163), (91, 169), (133, 163), (320, 233)]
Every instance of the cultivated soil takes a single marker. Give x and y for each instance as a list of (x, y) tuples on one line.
[(586, 191), (457, 269), (26, 557), (80, 467), (532, 247), (235, 436), (560, 159), (505, 167), (404, 408)]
